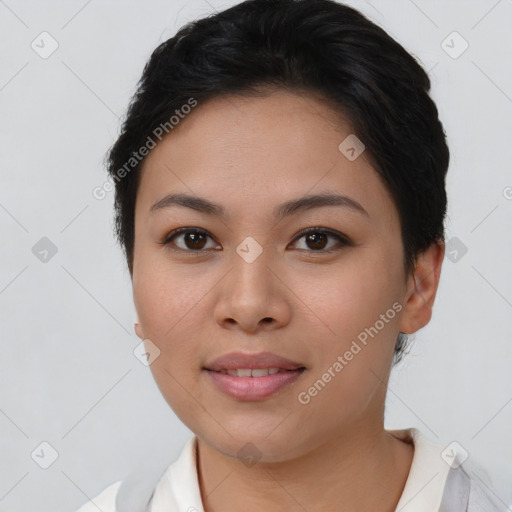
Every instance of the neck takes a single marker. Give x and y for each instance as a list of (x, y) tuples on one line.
[(358, 471)]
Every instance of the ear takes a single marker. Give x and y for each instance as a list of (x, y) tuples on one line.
[(421, 289), (138, 331)]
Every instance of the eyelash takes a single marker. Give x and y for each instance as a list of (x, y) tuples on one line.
[(342, 240)]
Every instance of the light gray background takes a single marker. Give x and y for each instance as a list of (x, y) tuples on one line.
[(68, 373)]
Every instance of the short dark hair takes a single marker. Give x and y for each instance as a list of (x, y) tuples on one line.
[(319, 46)]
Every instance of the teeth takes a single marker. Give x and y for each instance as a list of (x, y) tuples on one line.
[(260, 372), (247, 372)]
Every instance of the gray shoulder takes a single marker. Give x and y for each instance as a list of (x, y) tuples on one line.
[(466, 492), (484, 499), (132, 494), (105, 501), (134, 491)]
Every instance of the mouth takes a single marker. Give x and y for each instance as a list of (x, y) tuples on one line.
[(253, 377), (253, 388), (256, 372), (243, 362)]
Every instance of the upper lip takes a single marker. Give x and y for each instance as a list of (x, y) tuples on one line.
[(237, 360)]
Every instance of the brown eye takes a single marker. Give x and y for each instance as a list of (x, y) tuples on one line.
[(188, 239), (194, 240), (317, 239)]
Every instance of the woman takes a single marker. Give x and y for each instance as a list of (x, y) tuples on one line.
[(280, 199)]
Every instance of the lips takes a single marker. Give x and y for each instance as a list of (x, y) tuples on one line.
[(253, 377), (235, 361)]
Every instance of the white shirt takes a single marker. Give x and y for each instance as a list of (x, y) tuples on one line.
[(437, 482)]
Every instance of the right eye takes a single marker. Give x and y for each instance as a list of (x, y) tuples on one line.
[(192, 240)]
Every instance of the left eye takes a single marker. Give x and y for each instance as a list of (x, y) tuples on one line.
[(317, 239), (195, 240)]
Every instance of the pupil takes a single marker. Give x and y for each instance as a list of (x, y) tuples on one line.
[(195, 237), (314, 238)]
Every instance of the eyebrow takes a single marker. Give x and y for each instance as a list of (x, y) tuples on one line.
[(286, 209)]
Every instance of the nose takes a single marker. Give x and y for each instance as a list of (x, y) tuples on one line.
[(252, 297)]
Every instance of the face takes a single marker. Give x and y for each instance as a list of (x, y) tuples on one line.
[(251, 281)]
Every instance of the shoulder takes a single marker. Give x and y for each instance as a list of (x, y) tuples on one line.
[(442, 478), (468, 487), (154, 486), (105, 501)]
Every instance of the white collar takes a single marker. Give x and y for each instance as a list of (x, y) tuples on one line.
[(426, 482), (178, 489)]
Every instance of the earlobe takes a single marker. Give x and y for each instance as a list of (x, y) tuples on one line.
[(136, 325), (138, 331), (423, 284)]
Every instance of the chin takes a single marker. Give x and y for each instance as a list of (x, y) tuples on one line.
[(254, 445)]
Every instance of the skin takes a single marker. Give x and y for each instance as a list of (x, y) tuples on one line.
[(250, 155)]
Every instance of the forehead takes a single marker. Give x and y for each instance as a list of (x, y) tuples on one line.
[(247, 151)]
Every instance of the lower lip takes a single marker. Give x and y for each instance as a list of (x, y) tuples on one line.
[(253, 388)]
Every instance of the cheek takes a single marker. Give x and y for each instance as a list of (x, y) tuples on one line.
[(359, 314), (347, 298), (350, 368), (166, 305), (166, 297)]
